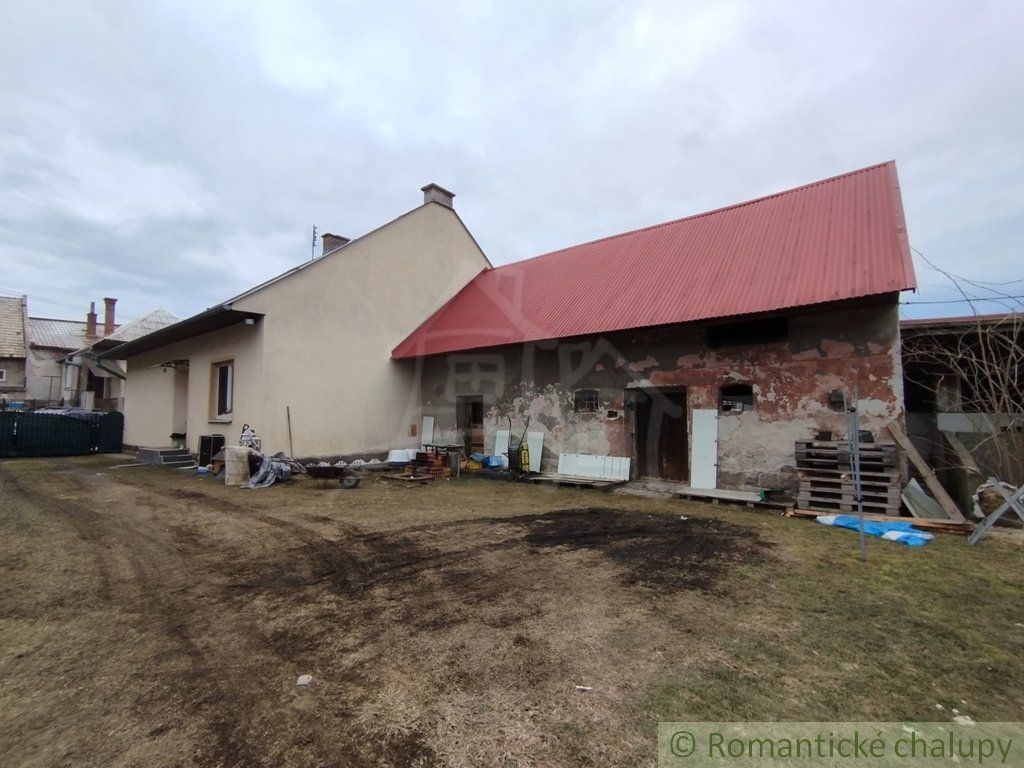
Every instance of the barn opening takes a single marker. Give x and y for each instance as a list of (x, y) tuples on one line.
[(660, 433), (469, 418)]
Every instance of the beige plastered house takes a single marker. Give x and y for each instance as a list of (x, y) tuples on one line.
[(313, 342)]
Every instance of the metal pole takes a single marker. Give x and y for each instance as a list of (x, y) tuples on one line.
[(291, 448), (853, 430)]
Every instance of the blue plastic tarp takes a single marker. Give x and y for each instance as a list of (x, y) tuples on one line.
[(904, 533)]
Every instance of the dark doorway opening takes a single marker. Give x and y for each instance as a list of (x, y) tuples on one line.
[(661, 447), (469, 418)]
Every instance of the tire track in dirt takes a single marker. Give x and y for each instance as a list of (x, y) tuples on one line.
[(401, 584), (159, 576), (81, 520), (340, 568)]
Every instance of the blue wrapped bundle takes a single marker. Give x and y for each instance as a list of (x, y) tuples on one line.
[(903, 533)]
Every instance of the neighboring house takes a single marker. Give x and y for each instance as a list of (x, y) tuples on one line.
[(303, 358), (701, 348), (13, 348), (964, 391), (98, 383), (50, 341)]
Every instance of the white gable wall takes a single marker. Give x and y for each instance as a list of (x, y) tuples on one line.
[(323, 347), (329, 331)]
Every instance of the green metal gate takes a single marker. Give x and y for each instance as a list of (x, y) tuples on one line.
[(51, 434)]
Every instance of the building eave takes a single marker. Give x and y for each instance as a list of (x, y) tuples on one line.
[(212, 319)]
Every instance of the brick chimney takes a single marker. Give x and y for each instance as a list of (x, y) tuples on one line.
[(109, 326), (333, 242), (90, 321), (432, 193)]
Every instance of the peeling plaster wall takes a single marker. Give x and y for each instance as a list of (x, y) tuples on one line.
[(791, 380)]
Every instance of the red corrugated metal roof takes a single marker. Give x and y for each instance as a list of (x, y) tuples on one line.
[(836, 239)]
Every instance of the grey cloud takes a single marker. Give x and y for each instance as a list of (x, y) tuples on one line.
[(174, 154)]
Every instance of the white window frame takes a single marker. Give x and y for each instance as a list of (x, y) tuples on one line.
[(3, 375)]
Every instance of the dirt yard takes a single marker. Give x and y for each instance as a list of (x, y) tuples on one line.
[(150, 618)]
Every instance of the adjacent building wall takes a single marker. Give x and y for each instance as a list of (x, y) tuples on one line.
[(791, 380), (45, 375), (13, 385)]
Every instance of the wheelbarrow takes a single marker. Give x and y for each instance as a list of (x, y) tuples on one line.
[(347, 478)]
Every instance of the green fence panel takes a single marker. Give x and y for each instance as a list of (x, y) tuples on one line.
[(7, 424), (111, 433), (50, 434), (47, 434)]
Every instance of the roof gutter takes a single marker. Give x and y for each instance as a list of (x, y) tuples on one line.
[(212, 319)]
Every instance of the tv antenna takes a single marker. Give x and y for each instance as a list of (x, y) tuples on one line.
[(312, 247)]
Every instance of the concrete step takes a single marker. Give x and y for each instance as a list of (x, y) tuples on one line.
[(167, 456), (187, 461)]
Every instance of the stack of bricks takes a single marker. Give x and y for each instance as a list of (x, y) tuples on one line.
[(429, 464)]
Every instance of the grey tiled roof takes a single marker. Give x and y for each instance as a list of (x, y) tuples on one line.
[(12, 326), (149, 322), (56, 334)]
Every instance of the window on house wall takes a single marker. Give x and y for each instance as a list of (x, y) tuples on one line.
[(3, 374), (585, 401), (222, 382), (770, 330), (736, 398)]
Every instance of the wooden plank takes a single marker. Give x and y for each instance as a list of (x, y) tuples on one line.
[(847, 506), (888, 474), (873, 448), (720, 493), (847, 489), (948, 526), (841, 482), (926, 472), (560, 479), (407, 479), (848, 495)]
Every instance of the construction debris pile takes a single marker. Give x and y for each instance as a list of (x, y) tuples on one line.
[(828, 483), (435, 463)]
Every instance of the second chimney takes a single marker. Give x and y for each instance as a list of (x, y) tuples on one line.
[(333, 242), (108, 316), (90, 321), (432, 193)]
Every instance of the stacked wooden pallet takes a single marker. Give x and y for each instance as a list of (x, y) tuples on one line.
[(826, 477)]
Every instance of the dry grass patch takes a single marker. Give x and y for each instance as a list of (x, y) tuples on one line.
[(450, 625)]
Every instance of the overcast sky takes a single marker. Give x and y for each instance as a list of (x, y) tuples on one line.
[(174, 153)]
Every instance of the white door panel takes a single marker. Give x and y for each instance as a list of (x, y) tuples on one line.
[(704, 449)]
